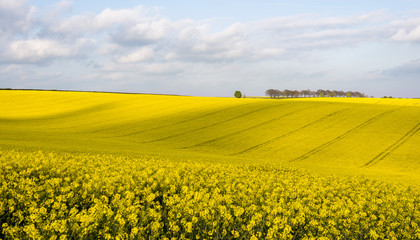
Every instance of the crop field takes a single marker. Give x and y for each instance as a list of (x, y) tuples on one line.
[(80, 165)]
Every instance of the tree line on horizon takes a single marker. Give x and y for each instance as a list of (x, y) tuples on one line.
[(273, 93)]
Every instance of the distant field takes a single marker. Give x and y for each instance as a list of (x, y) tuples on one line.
[(324, 153)]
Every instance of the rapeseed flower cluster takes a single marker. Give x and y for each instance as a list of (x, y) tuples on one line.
[(49, 195)]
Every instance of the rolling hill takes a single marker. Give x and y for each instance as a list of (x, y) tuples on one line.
[(342, 135)]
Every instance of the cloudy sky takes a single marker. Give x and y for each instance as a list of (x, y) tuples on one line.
[(211, 47)]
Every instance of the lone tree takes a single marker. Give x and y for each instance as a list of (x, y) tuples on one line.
[(238, 94)]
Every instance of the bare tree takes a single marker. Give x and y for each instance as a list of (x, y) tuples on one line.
[(277, 93), (320, 93), (359, 94), (306, 93), (283, 93), (327, 93), (273, 93), (270, 92), (288, 92), (312, 93)]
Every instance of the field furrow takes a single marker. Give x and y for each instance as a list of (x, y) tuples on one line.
[(393, 147), (288, 133), (244, 130), (188, 120), (211, 125), (156, 108), (340, 137)]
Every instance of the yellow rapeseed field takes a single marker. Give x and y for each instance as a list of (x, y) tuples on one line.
[(79, 165), (45, 195)]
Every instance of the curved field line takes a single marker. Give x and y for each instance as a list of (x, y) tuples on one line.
[(289, 133), (315, 150), (105, 121), (180, 122), (243, 130), (211, 125), (117, 117), (393, 146)]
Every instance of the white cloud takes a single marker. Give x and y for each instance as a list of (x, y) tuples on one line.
[(64, 5), (108, 48), (304, 33), (73, 27), (167, 69), (407, 30), (109, 17), (15, 17), (141, 33), (40, 50), (140, 54), (195, 42), (313, 23), (90, 23), (123, 34), (5, 4), (270, 52), (10, 68), (114, 76), (407, 35)]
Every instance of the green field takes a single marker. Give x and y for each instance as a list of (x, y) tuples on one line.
[(312, 146)]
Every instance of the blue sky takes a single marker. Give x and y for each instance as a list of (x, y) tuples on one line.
[(211, 48)]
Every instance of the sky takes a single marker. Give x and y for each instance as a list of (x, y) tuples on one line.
[(211, 47)]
